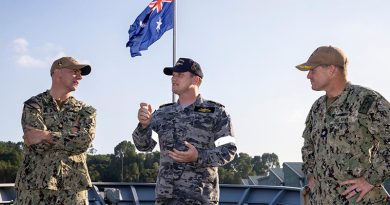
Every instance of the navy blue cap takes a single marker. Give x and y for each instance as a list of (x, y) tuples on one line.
[(185, 65)]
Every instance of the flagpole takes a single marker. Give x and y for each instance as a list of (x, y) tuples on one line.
[(174, 43)]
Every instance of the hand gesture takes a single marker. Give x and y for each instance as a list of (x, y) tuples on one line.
[(191, 155), (144, 114)]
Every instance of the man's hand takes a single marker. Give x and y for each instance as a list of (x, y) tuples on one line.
[(76, 126), (191, 155), (358, 185), (145, 114), (34, 136), (311, 182)]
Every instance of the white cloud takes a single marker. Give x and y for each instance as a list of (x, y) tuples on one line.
[(24, 58), (28, 61), (20, 45)]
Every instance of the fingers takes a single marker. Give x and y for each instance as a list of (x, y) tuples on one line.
[(191, 155), (362, 194), (143, 104), (27, 135), (311, 182), (25, 140), (144, 114), (350, 192), (357, 186), (177, 155), (28, 129), (190, 146), (351, 181)]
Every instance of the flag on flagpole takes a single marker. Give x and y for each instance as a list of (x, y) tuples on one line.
[(150, 25)]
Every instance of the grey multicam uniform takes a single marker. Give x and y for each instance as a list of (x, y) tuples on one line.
[(207, 126), (348, 140), (60, 166)]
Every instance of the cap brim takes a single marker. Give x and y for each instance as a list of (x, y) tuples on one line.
[(168, 70), (85, 69), (305, 66)]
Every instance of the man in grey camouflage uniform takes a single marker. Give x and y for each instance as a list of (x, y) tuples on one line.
[(346, 151), (58, 130), (195, 137)]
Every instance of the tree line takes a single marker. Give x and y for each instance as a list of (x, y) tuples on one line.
[(128, 165)]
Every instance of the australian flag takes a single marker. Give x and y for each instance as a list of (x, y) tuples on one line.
[(150, 25)]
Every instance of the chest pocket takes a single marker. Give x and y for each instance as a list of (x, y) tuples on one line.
[(202, 134), (344, 132), (51, 118), (203, 121), (70, 118)]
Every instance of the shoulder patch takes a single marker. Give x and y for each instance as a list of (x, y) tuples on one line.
[(32, 103), (204, 109), (164, 105), (366, 104), (219, 104)]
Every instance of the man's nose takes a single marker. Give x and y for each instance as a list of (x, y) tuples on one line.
[(79, 76), (309, 74)]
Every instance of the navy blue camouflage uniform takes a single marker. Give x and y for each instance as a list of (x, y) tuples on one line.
[(207, 126)]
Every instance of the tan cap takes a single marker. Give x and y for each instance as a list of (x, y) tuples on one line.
[(325, 55), (70, 63)]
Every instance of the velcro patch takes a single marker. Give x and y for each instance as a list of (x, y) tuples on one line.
[(32, 103), (366, 104)]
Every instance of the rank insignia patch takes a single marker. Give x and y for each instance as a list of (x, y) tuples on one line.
[(204, 109)]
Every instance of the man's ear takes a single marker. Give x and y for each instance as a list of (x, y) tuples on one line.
[(196, 80), (333, 70)]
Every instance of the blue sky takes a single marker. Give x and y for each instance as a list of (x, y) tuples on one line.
[(247, 49)]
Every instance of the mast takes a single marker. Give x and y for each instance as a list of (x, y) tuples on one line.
[(174, 43)]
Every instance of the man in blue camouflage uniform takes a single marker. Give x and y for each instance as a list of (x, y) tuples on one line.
[(195, 137), (346, 151), (58, 130)]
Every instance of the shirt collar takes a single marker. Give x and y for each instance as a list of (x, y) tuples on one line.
[(199, 100), (343, 96)]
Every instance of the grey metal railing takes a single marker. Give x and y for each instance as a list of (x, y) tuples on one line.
[(143, 194)]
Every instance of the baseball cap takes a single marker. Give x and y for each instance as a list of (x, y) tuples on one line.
[(325, 55), (70, 63), (185, 65)]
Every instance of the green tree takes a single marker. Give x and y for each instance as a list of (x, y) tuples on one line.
[(97, 166), (10, 159), (270, 160), (150, 167), (138, 167), (258, 167), (244, 166)]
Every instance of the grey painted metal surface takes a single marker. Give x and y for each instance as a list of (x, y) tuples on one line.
[(293, 175), (7, 193), (143, 194)]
